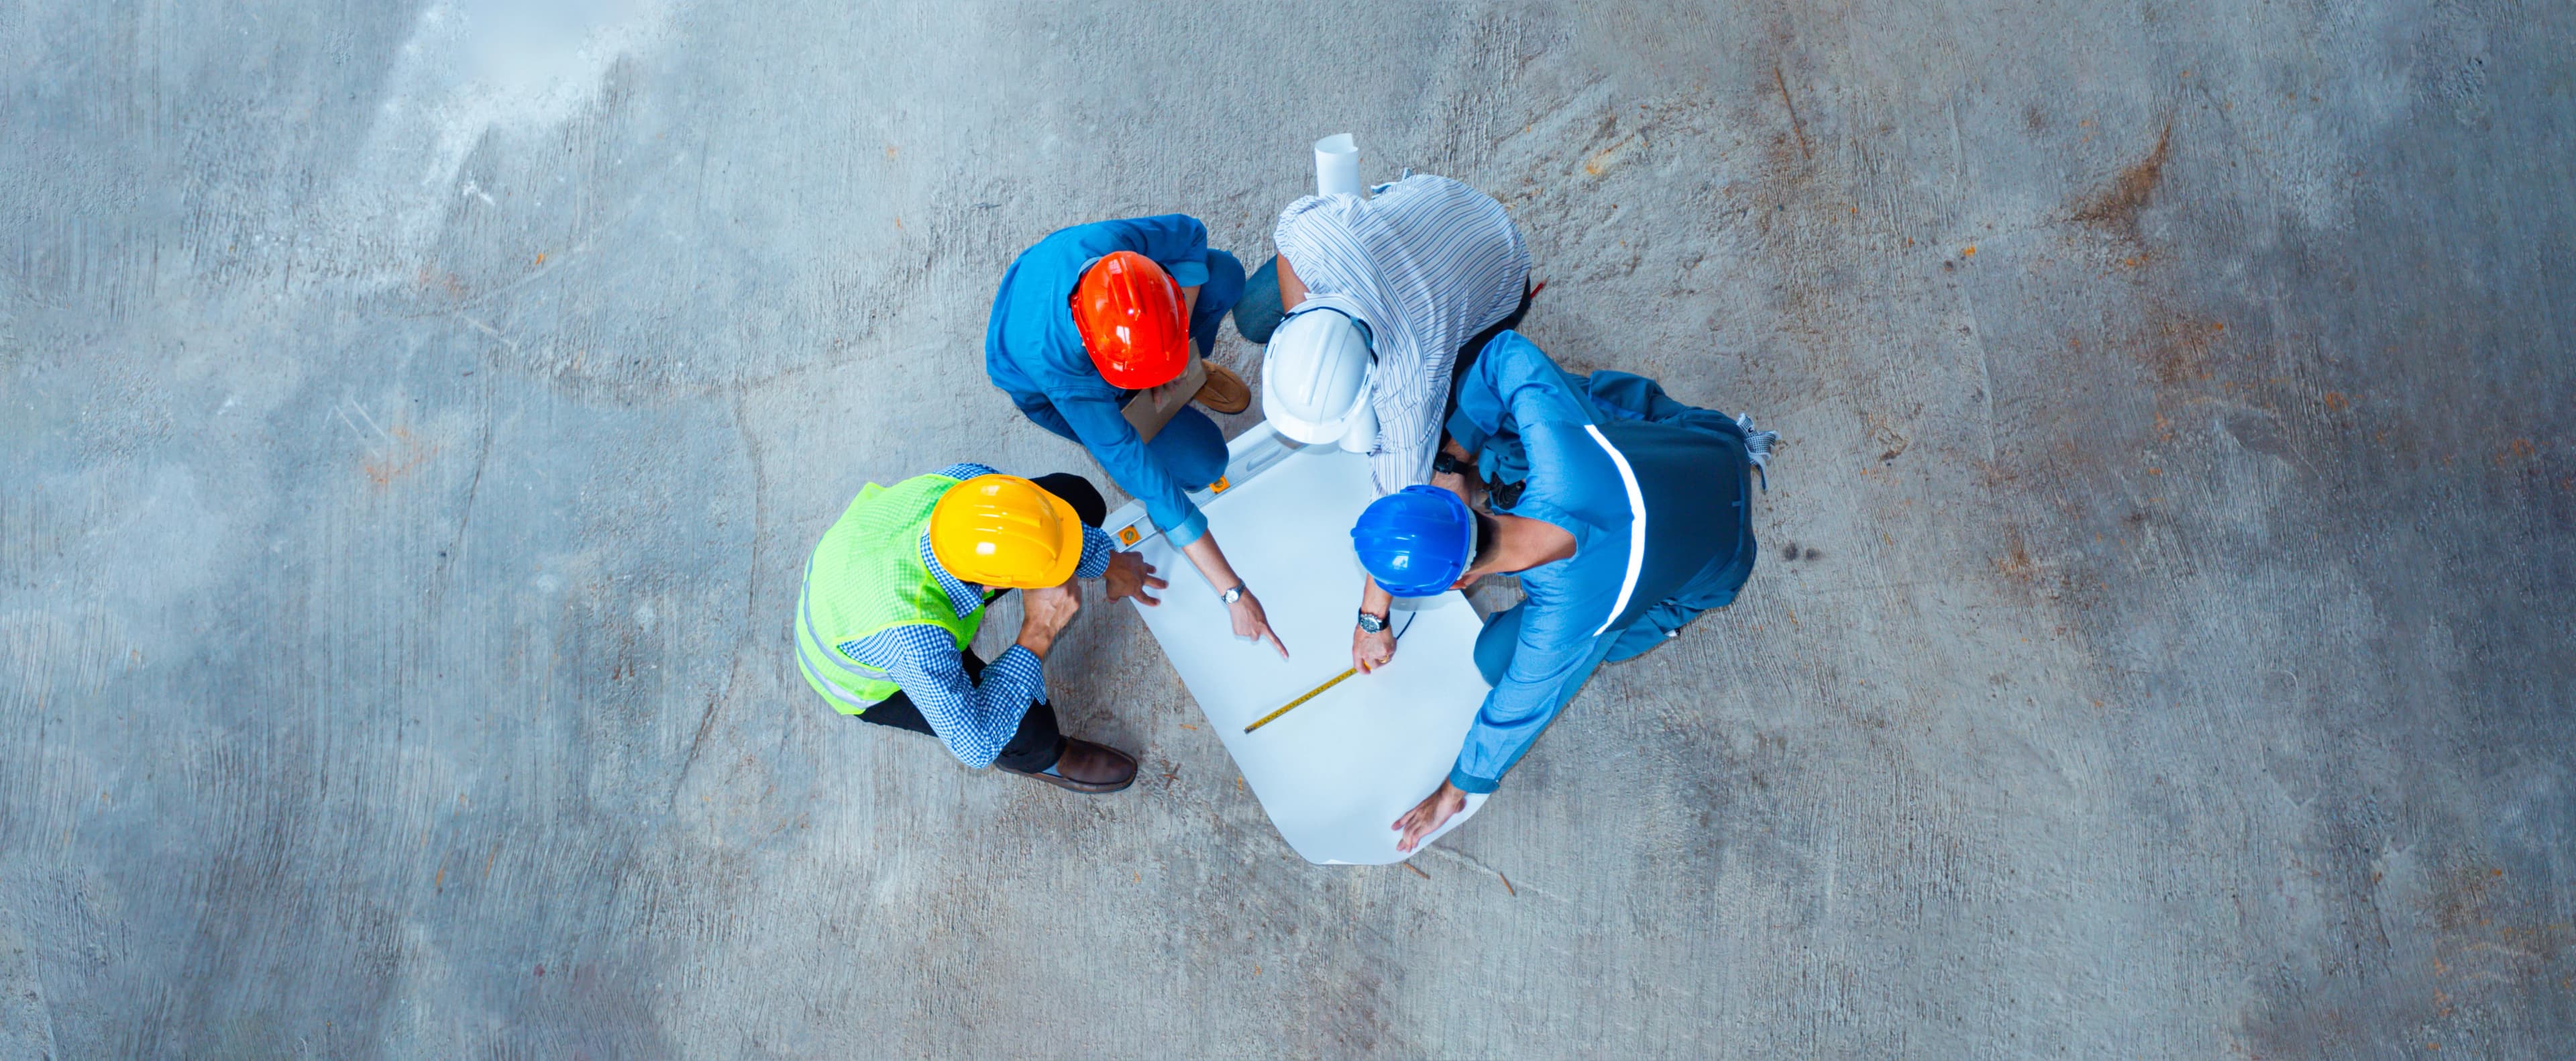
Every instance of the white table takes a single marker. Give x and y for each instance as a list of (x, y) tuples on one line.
[(1337, 771)]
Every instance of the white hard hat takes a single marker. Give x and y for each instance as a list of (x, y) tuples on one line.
[(1315, 379)]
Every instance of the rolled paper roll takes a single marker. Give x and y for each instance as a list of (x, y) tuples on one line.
[(1337, 165)]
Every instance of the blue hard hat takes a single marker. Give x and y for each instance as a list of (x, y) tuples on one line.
[(1417, 541)]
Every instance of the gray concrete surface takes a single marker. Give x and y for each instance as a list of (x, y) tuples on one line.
[(416, 416)]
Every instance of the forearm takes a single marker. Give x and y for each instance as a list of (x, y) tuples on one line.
[(975, 718), (1035, 637), (1510, 722), (1113, 442), (1210, 560), (1374, 599), (1291, 290)]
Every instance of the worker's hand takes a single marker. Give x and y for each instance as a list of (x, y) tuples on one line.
[(1161, 394), (1129, 576), (1453, 482), (1428, 816), (1045, 613), (1250, 621), (1371, 651)]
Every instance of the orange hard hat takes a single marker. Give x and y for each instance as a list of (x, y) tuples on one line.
[(1006, 532), (1129, 313)]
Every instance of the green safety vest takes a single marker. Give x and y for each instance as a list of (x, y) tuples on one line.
[(866, 576)]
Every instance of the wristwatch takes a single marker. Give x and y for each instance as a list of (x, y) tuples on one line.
[(1232, 595), (1449, 464), (1372, 623)]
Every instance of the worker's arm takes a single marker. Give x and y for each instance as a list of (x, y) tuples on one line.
[(1114, 442), (1177, 242), (1371, 651), (1245, 613), (1292, 290), (975, 719), (1555, 648), (1128, 574), (1553, 653)]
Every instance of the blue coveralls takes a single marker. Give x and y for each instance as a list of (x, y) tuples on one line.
[(1032, 351), (1564, 438)]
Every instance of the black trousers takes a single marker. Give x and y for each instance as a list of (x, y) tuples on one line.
[(1038, 743)]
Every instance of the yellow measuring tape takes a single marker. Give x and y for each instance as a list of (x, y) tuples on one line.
[(1310, 694), (1319, 690)]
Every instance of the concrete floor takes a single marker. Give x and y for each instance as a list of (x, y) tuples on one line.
[(416, 418)]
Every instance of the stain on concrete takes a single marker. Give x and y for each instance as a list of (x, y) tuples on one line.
[(2183, 677), (2114, 208)]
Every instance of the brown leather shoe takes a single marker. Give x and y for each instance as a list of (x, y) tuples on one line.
[(1089, 768), (1224, 391)]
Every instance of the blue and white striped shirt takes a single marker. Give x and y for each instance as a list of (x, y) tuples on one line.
[(1427, 264), (974, 720)]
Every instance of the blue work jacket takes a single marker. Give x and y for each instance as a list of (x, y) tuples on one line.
[(1033, 352), (1591, 454)]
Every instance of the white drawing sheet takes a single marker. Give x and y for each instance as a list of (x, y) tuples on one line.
[(1337, 771)]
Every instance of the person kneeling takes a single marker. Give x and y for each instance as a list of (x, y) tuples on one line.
[(897, 588), (1625, 514)]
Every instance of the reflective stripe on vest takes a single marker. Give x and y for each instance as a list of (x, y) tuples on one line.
[(1636, 529), (809, 647)]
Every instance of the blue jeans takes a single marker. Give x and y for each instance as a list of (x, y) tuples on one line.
[(1258, 313), (1192, 448), (1224, 288)]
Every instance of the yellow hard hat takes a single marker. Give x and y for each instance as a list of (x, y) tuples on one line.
[(1006, 532)]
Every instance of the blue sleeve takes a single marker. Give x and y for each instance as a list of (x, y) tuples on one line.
[(1177, 242), (1556, 649), (964, 470), (1114, 443), (975, 721), (1512, 385)]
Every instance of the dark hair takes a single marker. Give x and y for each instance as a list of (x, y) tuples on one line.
[(1488, 531)]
